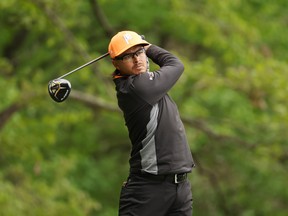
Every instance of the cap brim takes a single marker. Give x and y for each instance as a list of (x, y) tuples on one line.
[(126, 48)]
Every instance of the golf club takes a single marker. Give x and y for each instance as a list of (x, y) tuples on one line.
[(59, 88)]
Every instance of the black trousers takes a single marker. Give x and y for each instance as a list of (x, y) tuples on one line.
[(145, 196)]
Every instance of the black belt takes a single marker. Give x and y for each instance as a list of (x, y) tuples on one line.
[(173, 178)]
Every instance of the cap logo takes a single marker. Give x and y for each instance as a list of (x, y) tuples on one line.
[(127, 37)]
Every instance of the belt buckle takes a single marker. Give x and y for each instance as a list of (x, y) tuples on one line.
[(177, 181)]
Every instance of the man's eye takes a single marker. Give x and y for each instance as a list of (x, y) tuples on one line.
[(140, 52), (126, 57)]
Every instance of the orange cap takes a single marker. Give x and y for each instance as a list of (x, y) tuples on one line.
[(124, 40)]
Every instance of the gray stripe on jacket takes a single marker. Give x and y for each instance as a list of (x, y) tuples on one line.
[(148, 152)]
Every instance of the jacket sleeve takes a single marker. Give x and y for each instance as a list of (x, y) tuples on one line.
[(152, 86)]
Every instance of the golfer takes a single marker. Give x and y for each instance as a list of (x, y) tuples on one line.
[(160, 159)]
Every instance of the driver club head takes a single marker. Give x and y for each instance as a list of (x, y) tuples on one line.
[(59, 89)]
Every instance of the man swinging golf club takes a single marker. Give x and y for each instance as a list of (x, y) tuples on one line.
[(157, 184)]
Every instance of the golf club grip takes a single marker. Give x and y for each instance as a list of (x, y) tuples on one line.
[(82, 66)]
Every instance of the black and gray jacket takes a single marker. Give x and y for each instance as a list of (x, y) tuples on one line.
[(159, 144)]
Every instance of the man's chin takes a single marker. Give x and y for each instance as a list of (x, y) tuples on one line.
[(140, 70)]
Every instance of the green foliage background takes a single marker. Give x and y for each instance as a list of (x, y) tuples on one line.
[(71, 158)]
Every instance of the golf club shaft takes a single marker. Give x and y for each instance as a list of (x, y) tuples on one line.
[(79, 68)]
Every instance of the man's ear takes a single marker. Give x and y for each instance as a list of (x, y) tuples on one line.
[(115, 63)]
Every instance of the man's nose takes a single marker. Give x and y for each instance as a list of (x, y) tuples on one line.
[(135, 57)]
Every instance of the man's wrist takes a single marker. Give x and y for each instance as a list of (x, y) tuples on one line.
[(147, 47)]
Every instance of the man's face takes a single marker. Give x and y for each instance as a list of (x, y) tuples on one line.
[(132, 62)]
